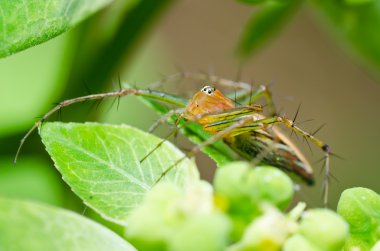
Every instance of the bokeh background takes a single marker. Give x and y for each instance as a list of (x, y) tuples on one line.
[(306, 61)]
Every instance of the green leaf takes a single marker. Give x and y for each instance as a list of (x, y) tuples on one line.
[(357, 24), (263, 24), (28, 23), (101, 163), (35, 227)]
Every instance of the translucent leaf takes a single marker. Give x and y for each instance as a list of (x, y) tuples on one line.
[(28, 23), (35, 227), (357, 23), (263, 24), (101, 163)]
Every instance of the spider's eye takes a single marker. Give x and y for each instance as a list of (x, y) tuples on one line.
[(208, 90)]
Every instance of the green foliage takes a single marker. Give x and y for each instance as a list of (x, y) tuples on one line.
[(199, 218), (245, 210), (28, 23), (101, 163), (34, 227), (356, 22), (264, 23), (107, 60)]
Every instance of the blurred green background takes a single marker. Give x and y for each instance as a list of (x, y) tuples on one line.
[(322, 55)]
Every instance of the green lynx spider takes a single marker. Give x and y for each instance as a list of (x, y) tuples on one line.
[(243, 128)]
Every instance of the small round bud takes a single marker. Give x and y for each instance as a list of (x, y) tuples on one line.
[(239, 181), (273, 185), (206, 232), (360, 208), (267, 232), (299, 243), (325, 229), (152, 223)]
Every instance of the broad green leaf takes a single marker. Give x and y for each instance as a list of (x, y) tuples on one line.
[(28, 23), (263, 24), (36, 227), (357, 24), (101, 163)]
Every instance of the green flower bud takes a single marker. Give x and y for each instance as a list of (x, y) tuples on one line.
[(169, 215), (376, 247), (297, 211), (360, 207), (202, 232), (325, 229), (198, 198), (299, 243), (273, 185), (239, 182), (241, 189), (230, 181), (267, 232), (155, 220)]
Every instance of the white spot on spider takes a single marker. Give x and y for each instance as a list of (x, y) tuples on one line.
[(208, 90)]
